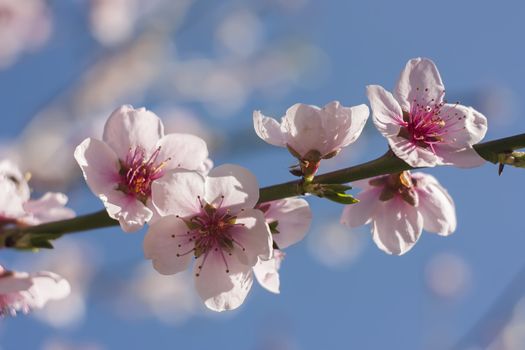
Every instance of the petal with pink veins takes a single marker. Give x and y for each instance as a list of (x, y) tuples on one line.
[(419, 81), (396, 226), (128, 128)]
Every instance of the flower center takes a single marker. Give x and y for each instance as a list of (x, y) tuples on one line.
[(212, 231), (423, 125), (138, 172), (398, 184)]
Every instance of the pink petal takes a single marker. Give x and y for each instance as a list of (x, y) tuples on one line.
[(436, 205), (237, 184), (268, 129), (177, 192), (128, 128), (99, 165), (221, 290), (419, 81), (462, 158), (413, 155), (254, 237), (359, 214), (396, 226), (50, 207), (294, 217), (165, 239), (131, 213), (387, 113), (182, 151)]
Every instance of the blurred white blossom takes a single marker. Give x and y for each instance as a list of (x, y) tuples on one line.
[(24, 26)]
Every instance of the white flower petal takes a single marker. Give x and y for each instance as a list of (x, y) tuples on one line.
[(182, 151), (221, 290), (268, 129), (302, 125), (464, 125), (419, 81), (294, 217), (386, 112), (127, 128), (396, 226), (166, 239), (177, 193), (237, 184)]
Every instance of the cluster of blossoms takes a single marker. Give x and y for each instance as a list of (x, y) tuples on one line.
[(212, 217), (20, 291)]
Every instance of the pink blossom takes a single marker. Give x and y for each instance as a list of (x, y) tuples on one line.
[(134, 153), (24, 25), (288, 219), (399, 207), (211, 219), (17, 208), (312, 133), (21, 292), (421, 127)]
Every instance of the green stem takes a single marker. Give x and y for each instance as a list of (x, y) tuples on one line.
[(386, 164)]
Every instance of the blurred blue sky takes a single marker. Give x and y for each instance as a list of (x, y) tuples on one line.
[(374, 301)]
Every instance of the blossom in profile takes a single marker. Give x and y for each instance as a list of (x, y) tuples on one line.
[(421, 127), (399, 206), (212, 219), (24, 26), (16, 207), (133, 153), (22, 292), (311, 133), (267, 271), (288, 220)]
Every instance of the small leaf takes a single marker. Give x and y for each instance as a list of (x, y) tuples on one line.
[(273, 227), (341, 198)]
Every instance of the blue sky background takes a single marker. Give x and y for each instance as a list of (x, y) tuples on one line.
[(374, 301)]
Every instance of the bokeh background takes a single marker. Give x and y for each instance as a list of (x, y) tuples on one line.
[(204, 66)]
